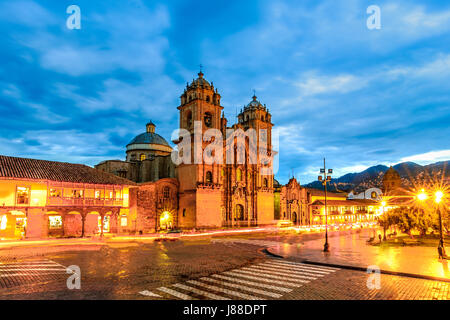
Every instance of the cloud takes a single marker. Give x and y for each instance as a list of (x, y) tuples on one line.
[(429, 157)]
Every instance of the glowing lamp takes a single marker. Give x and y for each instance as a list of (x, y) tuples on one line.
[(438, 196), (422, 196)]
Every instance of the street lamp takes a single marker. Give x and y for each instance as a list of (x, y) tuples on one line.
[(422, 196), (324, 179), (438, 195)]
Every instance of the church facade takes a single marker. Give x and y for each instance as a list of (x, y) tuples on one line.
[(233, 190)]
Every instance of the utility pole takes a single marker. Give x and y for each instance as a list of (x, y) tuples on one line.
[(324, 179)]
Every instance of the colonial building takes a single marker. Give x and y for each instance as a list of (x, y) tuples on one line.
[(294, 203), (202, 195), (41, 199)]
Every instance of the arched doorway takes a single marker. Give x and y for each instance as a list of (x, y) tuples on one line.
[(294, 217), (166, 220), (239, 212)]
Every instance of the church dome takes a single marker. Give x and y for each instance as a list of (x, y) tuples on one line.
[(254, 103), (391, 174), (149, 138)]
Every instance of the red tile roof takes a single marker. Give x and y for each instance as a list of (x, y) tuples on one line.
[(13, 167)]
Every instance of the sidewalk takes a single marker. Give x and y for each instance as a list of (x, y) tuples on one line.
[(353, 251)]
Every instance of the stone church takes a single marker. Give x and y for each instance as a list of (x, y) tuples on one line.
[(197, 194)]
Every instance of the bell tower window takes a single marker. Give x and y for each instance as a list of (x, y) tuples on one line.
[(208, 119), (142, 157), (189, 119)]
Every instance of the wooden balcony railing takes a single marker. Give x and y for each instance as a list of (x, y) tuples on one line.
[(86, 202)]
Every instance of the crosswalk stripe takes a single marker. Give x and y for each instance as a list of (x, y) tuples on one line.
[(249, 275), (306, 265), (279, 273), (26, 266), (245, 288), (175, 293), (24, 274), (252, 283), (227, 291), (271, 276), (34, 269), (299, 269), (201, 292), (26, 262)]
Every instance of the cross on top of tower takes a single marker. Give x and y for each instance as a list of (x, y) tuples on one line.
[(200, 74)]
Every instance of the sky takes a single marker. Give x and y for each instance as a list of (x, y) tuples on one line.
[(334, 87)]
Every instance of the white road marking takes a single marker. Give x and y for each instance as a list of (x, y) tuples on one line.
[(294, 268), (279, 273), (252, 283), (245, 288), (149, 294), (331, 269), (227, 291), (200, 292), (175, 293), (271, 276), (250, 275)]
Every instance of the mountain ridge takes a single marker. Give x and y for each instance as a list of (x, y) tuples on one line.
[(409, 172)]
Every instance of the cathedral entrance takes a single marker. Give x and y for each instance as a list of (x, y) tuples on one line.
[(166, 221)]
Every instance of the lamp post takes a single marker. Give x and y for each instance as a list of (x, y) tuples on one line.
[(324, 179), (441, 249), (438, 195)]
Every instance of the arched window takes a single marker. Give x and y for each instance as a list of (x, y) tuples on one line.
[(265, 183), (188, 119), (262, 118), (142, 157), (207, 98), (208, 177), (238, 175), (374, 195), (166, 192), (184, 212), (208, 119)]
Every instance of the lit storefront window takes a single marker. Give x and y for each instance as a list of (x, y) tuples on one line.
[(76, 193), (3, 222), (105, 224), (123, 221), (23, 195), (55, 193), (55, 222)]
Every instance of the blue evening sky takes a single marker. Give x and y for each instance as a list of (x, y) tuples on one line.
[(335, 88)]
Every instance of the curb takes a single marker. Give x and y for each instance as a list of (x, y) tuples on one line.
[(356, 268)]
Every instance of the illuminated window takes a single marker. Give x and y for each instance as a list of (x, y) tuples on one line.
[(238, 175), (105, 224), (55, 222), (374, 195), (123, 221), (55, 193), (77, 193), (3, 222), (97, 194), (265, 183), (23, 195), (208, 177), (166, 192), (142, 157)]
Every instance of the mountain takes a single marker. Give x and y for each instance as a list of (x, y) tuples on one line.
[(373, 177)]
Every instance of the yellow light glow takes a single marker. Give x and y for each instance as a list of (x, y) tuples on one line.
[(438, 196), (422, 196), (383, 203)]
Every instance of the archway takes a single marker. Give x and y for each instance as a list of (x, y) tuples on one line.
[(166, 220), (240, 212), (294, 217)]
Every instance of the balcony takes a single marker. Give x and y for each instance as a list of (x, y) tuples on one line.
[(84, 202)]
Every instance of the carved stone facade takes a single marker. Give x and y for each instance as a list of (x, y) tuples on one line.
[(294, 203)]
